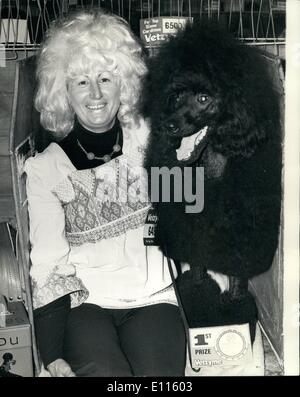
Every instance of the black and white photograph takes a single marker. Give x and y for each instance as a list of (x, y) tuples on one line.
[(149, 191)]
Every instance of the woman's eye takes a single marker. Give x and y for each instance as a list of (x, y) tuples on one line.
[(82, 83), (104, 80), (202, 98)]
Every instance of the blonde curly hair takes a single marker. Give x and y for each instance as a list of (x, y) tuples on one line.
[(87, 33)]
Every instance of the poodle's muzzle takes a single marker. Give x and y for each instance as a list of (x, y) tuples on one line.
[(190, 145)]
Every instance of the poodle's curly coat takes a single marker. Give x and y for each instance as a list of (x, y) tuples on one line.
[(205, 78)]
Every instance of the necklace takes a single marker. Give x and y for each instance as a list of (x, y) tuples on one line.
[(107, 157)]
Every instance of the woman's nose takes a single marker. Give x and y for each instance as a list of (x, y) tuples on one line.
[(95, 91)]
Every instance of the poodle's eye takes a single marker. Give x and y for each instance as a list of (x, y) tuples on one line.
[(174, 99), (202, 98)]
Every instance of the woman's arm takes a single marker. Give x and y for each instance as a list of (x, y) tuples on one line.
[(53, 277)]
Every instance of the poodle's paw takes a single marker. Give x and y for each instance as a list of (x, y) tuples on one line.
[(206, 306), (221, 279)]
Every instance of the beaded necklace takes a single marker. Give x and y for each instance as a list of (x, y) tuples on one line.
[(107, 157)]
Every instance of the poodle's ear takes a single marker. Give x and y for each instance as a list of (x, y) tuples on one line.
[(250, 112), (240, 129), (143, 104)]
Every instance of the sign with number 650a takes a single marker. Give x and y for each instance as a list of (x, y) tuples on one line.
[(172, 25)]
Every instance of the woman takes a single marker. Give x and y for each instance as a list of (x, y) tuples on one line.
[(104, 302)]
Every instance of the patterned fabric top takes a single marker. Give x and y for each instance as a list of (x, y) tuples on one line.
[(103, 202), (107, 205)]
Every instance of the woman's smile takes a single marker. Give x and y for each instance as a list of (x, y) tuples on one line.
[(96, 107)]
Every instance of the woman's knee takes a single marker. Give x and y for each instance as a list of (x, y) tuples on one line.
[(154, 341), (92, 345)]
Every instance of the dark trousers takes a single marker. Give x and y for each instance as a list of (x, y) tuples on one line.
[(146, 341)]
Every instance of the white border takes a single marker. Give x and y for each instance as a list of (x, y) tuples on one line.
[(291, 196)]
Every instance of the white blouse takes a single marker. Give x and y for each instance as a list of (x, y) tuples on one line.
[(86, 230)]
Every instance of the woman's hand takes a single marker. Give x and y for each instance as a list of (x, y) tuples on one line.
[(60, 368), (221, 279)]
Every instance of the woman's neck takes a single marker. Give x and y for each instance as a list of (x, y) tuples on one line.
[(91, 142), (98, 130)]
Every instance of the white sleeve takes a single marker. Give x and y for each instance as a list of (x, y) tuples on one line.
[(51, 273)]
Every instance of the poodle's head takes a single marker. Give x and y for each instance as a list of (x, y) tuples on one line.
[(206, 87)]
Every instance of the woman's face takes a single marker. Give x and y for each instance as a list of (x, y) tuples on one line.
[(95, 98)]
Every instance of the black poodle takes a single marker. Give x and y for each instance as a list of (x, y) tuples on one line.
[(211, 103)]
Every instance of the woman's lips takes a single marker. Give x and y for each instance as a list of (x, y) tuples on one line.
[(96, 107)]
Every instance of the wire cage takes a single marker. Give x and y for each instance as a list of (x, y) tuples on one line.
[(23, 23)]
